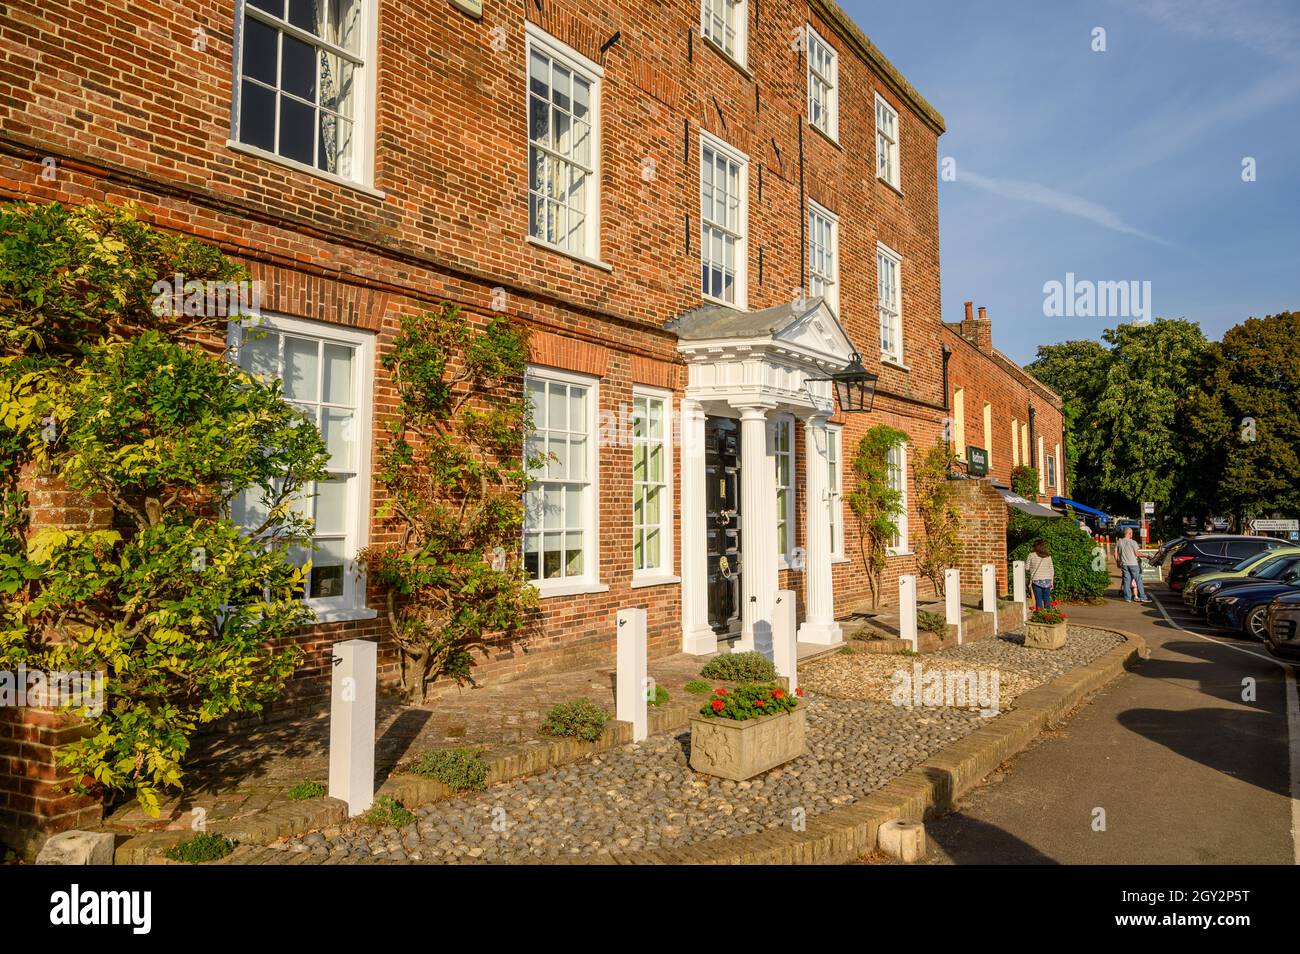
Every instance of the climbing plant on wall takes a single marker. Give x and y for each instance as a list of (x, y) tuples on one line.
[(875, 501)]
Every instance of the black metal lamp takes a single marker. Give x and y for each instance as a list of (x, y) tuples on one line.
[(855, 386)]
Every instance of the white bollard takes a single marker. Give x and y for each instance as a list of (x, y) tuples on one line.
[(785, 653), (907, 609), (952, 599), (1018, 585), (352, 724), (990, 575), (632, 685)]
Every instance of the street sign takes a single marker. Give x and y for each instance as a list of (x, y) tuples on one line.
[(977, 461), (1148, 507), (1261, 525)]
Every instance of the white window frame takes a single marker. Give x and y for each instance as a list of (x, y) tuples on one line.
[(895, 317), (830, 282), (741, 237), (366, 100), (1042, 468), (887, 147), (1015, 442), (589, 579), (735, 17), (786, 540), (835, 488), (557, 51), (830, 81), (959, 423), (1052, 468), (900, 545), (352, 604), (988, 434), (664, 571)]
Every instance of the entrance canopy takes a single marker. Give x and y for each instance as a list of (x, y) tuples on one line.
[(1014, 499), (1105, 518)]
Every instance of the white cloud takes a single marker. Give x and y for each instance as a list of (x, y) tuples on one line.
[(1256, 25)]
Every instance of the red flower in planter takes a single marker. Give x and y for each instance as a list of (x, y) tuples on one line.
[(760, 702), (717, 705), (779, 694), (720, 692), (799, 693)]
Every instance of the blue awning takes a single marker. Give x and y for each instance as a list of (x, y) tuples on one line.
[(1082, 508)]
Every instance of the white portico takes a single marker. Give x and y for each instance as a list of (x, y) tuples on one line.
[(747, 370)]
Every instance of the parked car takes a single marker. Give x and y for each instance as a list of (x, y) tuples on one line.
[(1212, 552), (1282, 627), (1124, 523), (1244, 606), (1263, 567)]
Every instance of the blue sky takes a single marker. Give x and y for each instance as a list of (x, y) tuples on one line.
[(1123, 165)]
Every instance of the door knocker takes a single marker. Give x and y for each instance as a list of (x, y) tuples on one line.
[(724, 567)]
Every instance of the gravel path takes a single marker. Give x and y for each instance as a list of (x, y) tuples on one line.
[(646, 796)]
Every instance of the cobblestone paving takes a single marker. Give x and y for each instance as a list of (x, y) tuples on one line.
[(646, 796)]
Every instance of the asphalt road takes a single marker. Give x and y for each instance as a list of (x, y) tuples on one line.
[(1184, 770)]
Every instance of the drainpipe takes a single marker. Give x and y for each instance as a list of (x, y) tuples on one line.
[(947, 402)]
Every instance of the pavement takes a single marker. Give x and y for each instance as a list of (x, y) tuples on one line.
[(1193, 757)]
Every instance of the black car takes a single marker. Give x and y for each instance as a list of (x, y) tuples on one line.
[(1244, 606), (1213, 552), (1282, 627), (1283, 567)]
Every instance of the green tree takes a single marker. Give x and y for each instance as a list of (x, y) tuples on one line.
[(875, 502), (936, 503), (1076, 370), (455, 473), (176, 605)]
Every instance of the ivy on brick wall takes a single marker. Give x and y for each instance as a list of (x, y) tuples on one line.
[(875, 502), (940, 517), (454, 470), (146, 441)]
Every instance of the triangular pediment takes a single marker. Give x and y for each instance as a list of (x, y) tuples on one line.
[(808, 326)]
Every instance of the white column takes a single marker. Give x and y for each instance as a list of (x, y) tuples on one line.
[(952, 599), (1018, 585), (758, 541), (907, 609), (352, 724), (697, 636), (631, 685), (990, 579), (785, 650), (819, 626)]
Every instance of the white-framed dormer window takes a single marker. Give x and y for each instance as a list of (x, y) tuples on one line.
[(897, 471), (725, 24), (560, 511), (823, 85), (823, 255), (890, 297), (326, 373), (652, 483), (304, 84), (887, 166), (783, 456), (835, 489), (563, 146), (724, 221)]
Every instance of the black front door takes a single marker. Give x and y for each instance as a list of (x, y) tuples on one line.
[(722, 483)]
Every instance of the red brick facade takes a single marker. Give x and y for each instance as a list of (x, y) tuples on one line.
[(118, 102)]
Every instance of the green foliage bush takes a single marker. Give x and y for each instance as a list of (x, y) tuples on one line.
[(460, 769), (582, 719), (873, 500), (388, 812), (932, 623), (305, 790), (740, 667), (202, 847), (698, 687), (661, 696), (1072, 551), (750, 701)]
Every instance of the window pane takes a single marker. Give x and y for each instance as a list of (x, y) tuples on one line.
[(261, 43), (331, 506), (298, 70), (300, 368), (297, 131), (338, 374), (327, 569), (340, 438), (257, 116)]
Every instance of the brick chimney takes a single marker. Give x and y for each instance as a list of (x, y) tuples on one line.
[(978, 331)]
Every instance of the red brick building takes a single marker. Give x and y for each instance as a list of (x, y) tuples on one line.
[(702, 208)]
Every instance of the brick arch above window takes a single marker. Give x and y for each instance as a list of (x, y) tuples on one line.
[(567, 354)]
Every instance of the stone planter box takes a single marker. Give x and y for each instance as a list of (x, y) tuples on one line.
[(1045, 635), (740, 750)]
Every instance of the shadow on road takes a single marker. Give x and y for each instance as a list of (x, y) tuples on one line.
[(968, 841)]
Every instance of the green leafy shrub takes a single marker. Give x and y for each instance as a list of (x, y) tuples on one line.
[(740, 667), (932, 623), (305, 790), (388, 812), (1024, 481), (582, 719), (875, 501), (202, 847), (661, 696), (1080, 571), (750, 701), (460, 769), (698, 687)]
